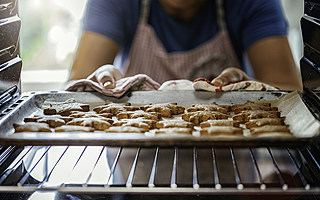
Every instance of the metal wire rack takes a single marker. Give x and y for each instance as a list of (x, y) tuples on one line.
[(159, 170)]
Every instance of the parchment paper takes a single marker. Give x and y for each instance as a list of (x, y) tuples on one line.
[(301, 121)]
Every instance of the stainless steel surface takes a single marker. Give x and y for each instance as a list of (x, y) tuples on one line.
[(8, 8), (10, 73), (9, 40), (310, 62), (31, 103), (10, 62), (232, 171)]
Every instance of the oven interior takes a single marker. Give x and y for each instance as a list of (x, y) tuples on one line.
[(141, 173), (158, 172)]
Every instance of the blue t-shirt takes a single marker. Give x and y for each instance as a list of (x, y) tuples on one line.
[(247, 22)]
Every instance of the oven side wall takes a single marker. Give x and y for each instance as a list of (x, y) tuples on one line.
[(10, 61)]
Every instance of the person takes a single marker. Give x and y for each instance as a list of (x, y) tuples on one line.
[(222, 40)]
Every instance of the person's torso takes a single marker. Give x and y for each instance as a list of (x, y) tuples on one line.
[(176, 36), (247, 21), (207, 60)]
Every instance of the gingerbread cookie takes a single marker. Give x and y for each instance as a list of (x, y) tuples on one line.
[(221, 130), (207, 107), (64, 108), (270, 129), (264, 121), (165, 109), (31, 127), (150, 122), (94, 122), (202, 116), (247, 115), (36, 117), (73, 128), (109, 103), (115, 108), (124, 129), (145, 124), (174, 124), (80, 114), (52, 120), (219, 122), (139, 114), (256, 104), (187, 131)]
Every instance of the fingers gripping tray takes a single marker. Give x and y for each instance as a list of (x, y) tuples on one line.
[(304, 127)]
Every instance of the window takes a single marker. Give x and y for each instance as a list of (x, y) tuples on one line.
[(49, 35)]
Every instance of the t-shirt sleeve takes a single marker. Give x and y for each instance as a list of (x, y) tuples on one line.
[(264, 19), (106, 17)]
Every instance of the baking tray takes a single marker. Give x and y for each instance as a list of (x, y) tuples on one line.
[(31, 103)]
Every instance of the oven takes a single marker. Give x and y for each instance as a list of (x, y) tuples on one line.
[(65, 166)]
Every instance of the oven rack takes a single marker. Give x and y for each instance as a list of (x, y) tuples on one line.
[(159, 170)]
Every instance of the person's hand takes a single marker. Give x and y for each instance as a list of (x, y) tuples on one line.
[(106, 76), (230, 75)]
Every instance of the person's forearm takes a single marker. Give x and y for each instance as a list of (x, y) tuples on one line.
[(94, 50), (284, 86), (272, 63)]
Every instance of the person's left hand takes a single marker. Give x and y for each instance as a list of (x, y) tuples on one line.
[(230, 75), (106, 76)]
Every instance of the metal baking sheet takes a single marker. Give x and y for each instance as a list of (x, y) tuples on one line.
[(31, 103)]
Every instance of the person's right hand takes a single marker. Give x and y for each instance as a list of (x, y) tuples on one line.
[(230, 75), (106, 76)]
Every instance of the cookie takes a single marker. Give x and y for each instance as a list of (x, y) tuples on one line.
[(221, 130), (201, 116), (150, 122), (139, 114), (187, 131), (145, 124), (73, 128), (264, 121), (80, 114), (36, 117), (256, 104), (115, 108), (124, 129), (165, 109), (270, 129), (94, 122), (209, 107), (247, 115), (52, 120), (31, 127), (64, 108), (174, 124), (219, 122)]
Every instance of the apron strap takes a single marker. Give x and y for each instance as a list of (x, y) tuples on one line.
[(145, 10), (220, 15)]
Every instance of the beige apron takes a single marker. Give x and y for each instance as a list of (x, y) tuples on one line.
[(148, 55)]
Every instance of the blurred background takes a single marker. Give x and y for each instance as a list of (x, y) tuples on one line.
[(51, 30), (49, 35)]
